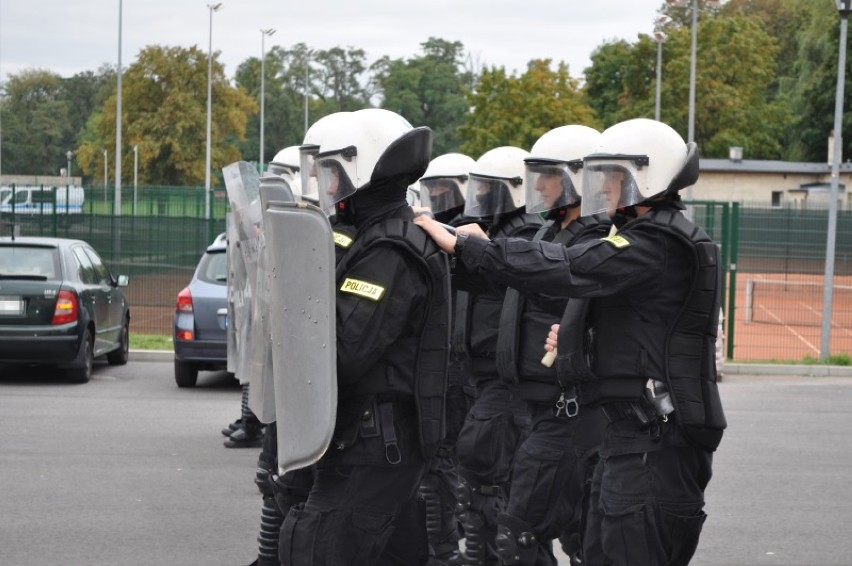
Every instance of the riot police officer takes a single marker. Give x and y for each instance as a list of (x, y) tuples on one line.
[(442, 190), (498, 419), (550, 466), (641, 348), (392, 341)]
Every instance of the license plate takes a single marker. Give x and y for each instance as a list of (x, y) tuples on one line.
[(11, 306)]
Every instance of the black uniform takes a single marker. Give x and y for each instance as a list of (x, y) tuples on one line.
[(655, 291), (552, 464), (498, 420), (282, 492), (364, 487)]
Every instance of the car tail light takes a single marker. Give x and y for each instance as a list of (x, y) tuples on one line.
[(67, 308), (184, 334), (184, 301)]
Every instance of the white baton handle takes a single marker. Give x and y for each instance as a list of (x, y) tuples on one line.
[(549, 358)]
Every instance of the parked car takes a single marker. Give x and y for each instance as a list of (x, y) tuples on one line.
[(60, 306), (201, 317)]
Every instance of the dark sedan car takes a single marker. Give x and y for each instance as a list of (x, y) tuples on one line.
[(201, 317), (60, 306)]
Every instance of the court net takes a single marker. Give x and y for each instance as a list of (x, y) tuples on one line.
[(795, 303)]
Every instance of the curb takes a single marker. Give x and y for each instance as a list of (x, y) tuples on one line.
[(730, 369)]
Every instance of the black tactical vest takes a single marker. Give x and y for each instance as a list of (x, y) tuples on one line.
[(529, 319), (430, 370), (478, 314), (689, 366)]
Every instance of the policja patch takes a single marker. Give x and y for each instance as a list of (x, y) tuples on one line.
[(362, 289), (342, 240), (617, 241)]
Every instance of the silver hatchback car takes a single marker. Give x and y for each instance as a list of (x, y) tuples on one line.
[(201, 317)]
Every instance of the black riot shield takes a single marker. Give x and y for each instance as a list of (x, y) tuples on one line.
[(302, 319), (262, 390)]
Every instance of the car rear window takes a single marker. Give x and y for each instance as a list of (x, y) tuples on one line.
[(23, 261), (213, 267)]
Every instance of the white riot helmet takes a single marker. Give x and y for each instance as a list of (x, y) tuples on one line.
[(376, 145), (635, 161), (496, 184), (412, 195), (310, 147), (444, 184), (554, 169), (285, 163)]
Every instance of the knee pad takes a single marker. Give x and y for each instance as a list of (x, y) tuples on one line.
[(516, 543)]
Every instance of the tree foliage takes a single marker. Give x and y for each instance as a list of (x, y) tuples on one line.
[(35, 123), (164, 112), (429, 90), (517, 110)]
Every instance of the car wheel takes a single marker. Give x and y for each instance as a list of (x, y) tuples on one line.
[(119, 357), (186, 373), (83, 373)]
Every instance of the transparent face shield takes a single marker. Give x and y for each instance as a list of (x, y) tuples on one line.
[(440, 194), (549, 185), (335, 171), (488, 197), (611, 183), (307, 155)]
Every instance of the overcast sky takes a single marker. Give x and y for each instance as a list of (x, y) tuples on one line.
[(69, 36)]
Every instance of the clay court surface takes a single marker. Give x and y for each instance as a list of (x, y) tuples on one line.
[(784, 312), (778, 316)]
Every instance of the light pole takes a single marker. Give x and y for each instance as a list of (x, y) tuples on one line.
[(117, 211), (307, 68), (212, 8), (660, 38), (692, 58), (263, 34), (68, 155), (106, 178), (135, 175), (844, 7)]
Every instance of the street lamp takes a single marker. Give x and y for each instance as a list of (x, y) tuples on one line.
[(660, 38), (692, 58), (263, 34), (308, 55), (135, 175), (844, 7), (212, 8), (106, 178), (68, 155), (117, 211)]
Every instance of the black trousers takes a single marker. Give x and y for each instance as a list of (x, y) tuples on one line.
[(647, 497), (361, 510), (548, 478)]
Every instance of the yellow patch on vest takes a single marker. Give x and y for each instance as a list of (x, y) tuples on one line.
[(362, 289), (617, 241), (342, 240)]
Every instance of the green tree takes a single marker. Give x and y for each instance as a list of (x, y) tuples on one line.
[(83, 93), (338, 81), (429, 90), (35, 124), (510, 110), (164, 112), (812, 97)]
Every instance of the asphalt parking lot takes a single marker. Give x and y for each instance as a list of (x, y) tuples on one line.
[(128, 470)]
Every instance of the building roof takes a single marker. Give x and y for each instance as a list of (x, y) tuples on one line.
[(768, 166)]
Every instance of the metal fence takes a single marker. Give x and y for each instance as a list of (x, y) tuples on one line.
[(774, 260)]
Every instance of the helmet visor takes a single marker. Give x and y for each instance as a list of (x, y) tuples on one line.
[(488, 197), (440, 194), (307, 155), (549, 185), (611, 183), (335, 171)]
